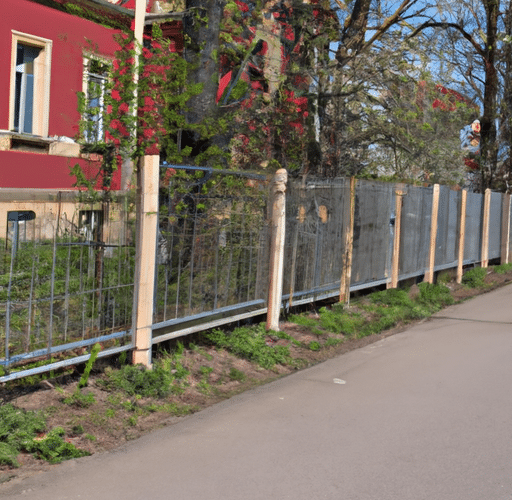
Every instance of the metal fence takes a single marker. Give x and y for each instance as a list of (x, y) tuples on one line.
[(67, 281), (67, 291), (213, 249)]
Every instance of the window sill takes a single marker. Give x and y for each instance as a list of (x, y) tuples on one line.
[(13, 141)]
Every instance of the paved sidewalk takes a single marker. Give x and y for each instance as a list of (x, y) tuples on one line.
[(424, 414)]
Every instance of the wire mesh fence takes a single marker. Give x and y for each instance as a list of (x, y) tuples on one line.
[(316, 218), (67, 279), (64, 284), (213, 243)]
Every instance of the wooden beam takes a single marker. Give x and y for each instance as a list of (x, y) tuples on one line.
[(462, 234), (485, 228), (346, 274), (399, 194), (429, 273), (505, 229)]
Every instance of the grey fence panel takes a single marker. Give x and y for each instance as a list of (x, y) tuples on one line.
[(212, 247), (316, 215), (495, 226), (61, 292), (371, 261), (473, 237), (415, 231), (447, 227), (510, 235)]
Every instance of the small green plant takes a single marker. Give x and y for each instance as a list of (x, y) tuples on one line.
[(88, 366), (80, 399), (332, 342), (314, 346), (204, 387), (474, 278), (77, 430), (237, 375), (206, 370), (132, 421), (90, 437)]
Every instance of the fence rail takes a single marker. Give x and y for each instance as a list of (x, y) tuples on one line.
[(68, 282)]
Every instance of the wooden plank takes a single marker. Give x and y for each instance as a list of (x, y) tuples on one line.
[(462, 234), (505, 229), (275, 289), (346, 274), (429, 273), (485, 228), (399, 194), (147, 223)]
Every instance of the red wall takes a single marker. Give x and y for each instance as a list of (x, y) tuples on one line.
[(40, 171), (69, 34)]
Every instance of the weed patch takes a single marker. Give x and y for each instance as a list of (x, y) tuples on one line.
[(23, 431), (474, 278), (503, 268), (250, 343)]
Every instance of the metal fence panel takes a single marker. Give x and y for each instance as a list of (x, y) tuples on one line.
[(212, 249), (473, 237), (447, 227), (371, 261), (65, 282), (415, 231), (316, 216), (495, 226)]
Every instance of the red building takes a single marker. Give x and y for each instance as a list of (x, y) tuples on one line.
[(49, 54), (51, 50)]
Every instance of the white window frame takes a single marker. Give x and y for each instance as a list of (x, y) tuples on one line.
[(42, 76), (87, 58)]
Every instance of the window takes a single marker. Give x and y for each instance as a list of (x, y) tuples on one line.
[(30, 84), (90, 224), (95, 87)]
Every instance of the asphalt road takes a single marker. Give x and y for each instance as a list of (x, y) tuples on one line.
[(425, 414)]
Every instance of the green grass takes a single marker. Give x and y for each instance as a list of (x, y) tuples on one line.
[(379, 311), (251, 343), (474, 278), (503, 268), (22, 430)]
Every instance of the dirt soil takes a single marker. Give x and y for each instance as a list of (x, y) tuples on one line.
[(115, 418)]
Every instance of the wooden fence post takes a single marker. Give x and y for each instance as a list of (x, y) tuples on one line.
[(399, 194), (275, 288), (147, 223), (346, 274), (505, 230), (462, 234), (485, 228), (429, 273)]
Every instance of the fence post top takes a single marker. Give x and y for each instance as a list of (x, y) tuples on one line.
[(279, 181)]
